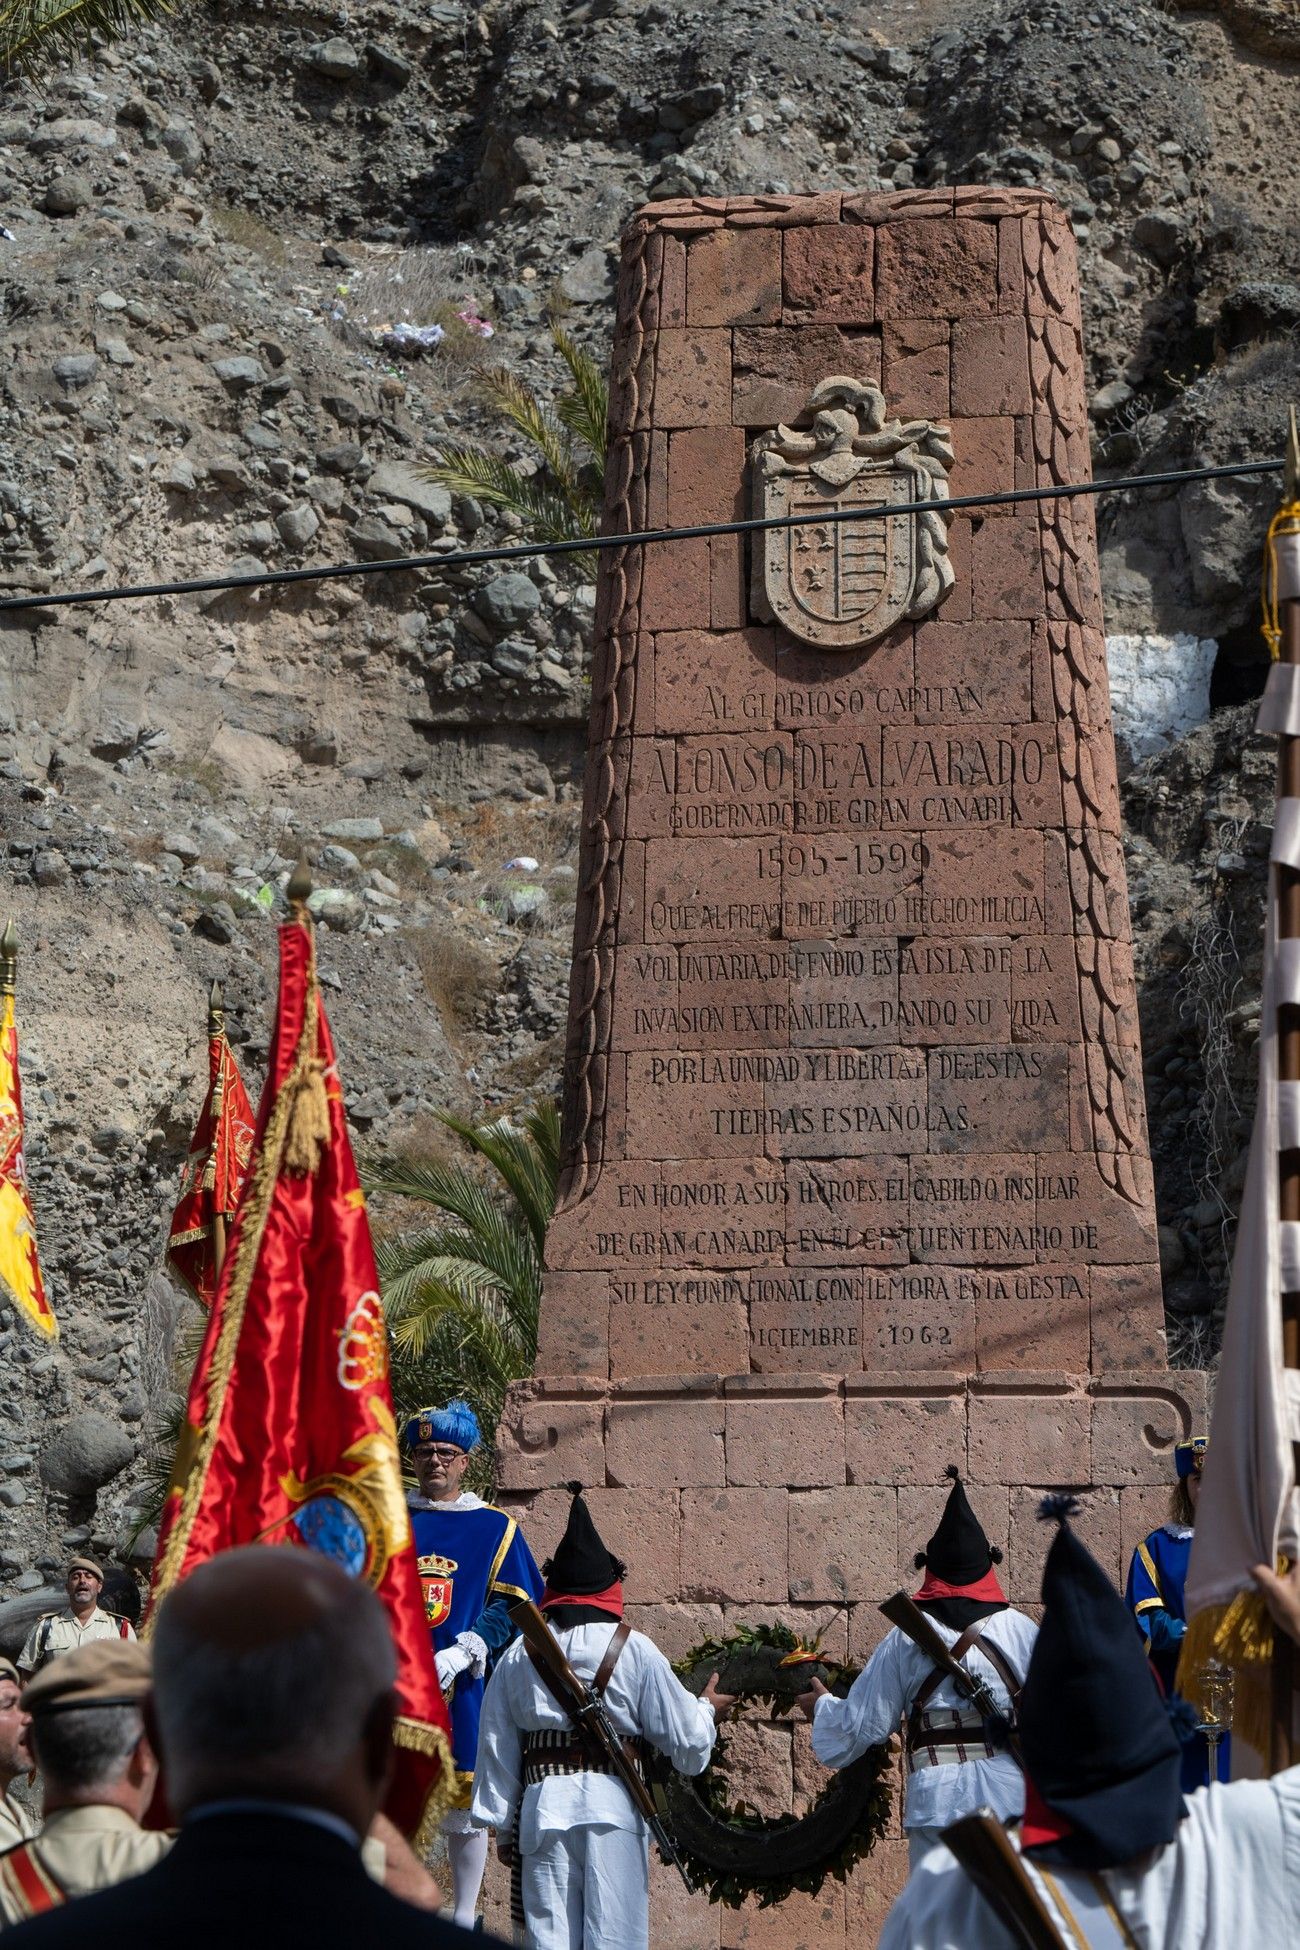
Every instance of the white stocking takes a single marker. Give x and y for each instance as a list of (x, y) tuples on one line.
[(468, 1856)]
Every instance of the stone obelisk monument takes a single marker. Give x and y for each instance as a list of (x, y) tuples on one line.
[(856, 1180)]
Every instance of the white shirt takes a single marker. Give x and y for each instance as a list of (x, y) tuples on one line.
[(881, 1696), (644, 1696), (1229, 1878)]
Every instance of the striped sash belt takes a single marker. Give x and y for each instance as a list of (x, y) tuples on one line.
[(555, 1750)]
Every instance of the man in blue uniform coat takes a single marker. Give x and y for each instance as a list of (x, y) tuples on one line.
[(473, 1564), (1155, 1594)]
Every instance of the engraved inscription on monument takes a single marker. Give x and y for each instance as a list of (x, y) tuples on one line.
[(842, 583), (853, 1075)]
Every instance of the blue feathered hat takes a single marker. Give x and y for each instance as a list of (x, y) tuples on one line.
[(456, 1423), (1189, 1457)]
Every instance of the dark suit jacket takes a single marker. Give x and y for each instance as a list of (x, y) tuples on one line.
[(246, 1882)]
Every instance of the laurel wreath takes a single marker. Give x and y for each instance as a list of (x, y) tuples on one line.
[(731, 1850)]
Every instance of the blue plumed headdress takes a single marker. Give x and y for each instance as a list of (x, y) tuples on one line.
[(1189, 1457), (456, 1423)]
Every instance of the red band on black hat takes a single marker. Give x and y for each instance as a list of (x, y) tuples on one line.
[(609, 1600), (987, 1589)]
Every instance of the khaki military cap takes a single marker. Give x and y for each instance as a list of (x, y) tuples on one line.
[(8, 1670), (107, 1672), (85, 1564)]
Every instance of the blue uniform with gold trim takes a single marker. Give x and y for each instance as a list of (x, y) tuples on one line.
[(1155, 1594), (473, 1564)]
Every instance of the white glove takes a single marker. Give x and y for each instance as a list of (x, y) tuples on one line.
[(450, 1664)]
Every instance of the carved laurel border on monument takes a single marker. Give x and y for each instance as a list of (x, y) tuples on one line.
[(648, 297)]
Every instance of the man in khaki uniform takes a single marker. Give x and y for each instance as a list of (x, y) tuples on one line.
[(87, 1735), (17, 1823), (80, 1624)]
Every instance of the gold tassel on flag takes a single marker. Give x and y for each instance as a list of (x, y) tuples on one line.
[(20, 1268)]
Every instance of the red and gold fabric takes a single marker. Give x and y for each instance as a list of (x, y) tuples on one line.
[(216, 1171), (20, 1268), (27, 1888), (289, 1434)]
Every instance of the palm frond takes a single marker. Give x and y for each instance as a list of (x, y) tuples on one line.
[(583, 412), (526, 1158), (499, 1258), (432, 1181), (463, 1295), (544, 511), (522, 409), (36, 33)]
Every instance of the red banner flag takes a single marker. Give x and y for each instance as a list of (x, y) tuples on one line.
[(20, 1268), (212, 1183), (289, 1435)]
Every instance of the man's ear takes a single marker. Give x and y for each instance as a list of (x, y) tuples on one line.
[(377, 1739), (143, 1764)]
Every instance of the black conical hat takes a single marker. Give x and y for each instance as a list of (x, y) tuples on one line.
[(582, 1563), (1097, 1739), (958, 1552)]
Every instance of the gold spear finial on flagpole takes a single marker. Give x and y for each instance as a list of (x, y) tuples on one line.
[(216, 1009), (8, 958), (299, 888)]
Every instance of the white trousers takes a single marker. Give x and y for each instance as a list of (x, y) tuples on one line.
[(919, 1840), (588, 1889)]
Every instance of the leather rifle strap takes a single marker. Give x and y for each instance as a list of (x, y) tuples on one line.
[(604, 1672), (936, 1676), (618, 1639)]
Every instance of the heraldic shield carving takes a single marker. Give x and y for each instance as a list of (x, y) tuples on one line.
[(843, 583)]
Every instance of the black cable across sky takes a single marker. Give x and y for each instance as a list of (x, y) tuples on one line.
[(526, 551)]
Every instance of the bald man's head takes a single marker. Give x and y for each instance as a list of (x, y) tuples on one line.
[(273, 1675)]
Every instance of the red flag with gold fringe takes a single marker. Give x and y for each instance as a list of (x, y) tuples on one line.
[(289, 1433), (20, 1267), (216, 1170)]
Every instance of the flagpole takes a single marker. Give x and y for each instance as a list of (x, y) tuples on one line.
[(1282, 1716), (8, 960), (217, 1027)]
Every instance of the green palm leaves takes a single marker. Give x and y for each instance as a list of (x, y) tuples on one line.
[(560, 503), (36, 33), (462, 1290)]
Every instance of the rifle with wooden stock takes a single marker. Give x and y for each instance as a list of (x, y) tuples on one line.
[(591, 1719), (900, 1610), (981, 1845)]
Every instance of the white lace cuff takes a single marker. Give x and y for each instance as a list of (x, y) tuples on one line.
[(471, 1643)]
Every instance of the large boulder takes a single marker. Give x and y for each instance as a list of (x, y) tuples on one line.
[(89, 1452)]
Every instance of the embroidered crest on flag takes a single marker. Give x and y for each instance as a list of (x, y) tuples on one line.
[(437, 1582)]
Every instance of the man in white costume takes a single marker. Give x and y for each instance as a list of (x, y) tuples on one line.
[(584, 1870), (1118, 1856), (953, 1763)]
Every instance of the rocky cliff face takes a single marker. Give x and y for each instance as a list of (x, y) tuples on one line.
[(205, 231)]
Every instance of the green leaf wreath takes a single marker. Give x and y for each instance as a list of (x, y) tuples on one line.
[(729, 1849)]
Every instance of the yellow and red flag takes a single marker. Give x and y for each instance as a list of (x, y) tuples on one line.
[(212, 1183), (20, 1268), (289, 1434)]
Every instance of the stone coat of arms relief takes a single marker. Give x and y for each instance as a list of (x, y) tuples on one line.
[(842, 584)]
